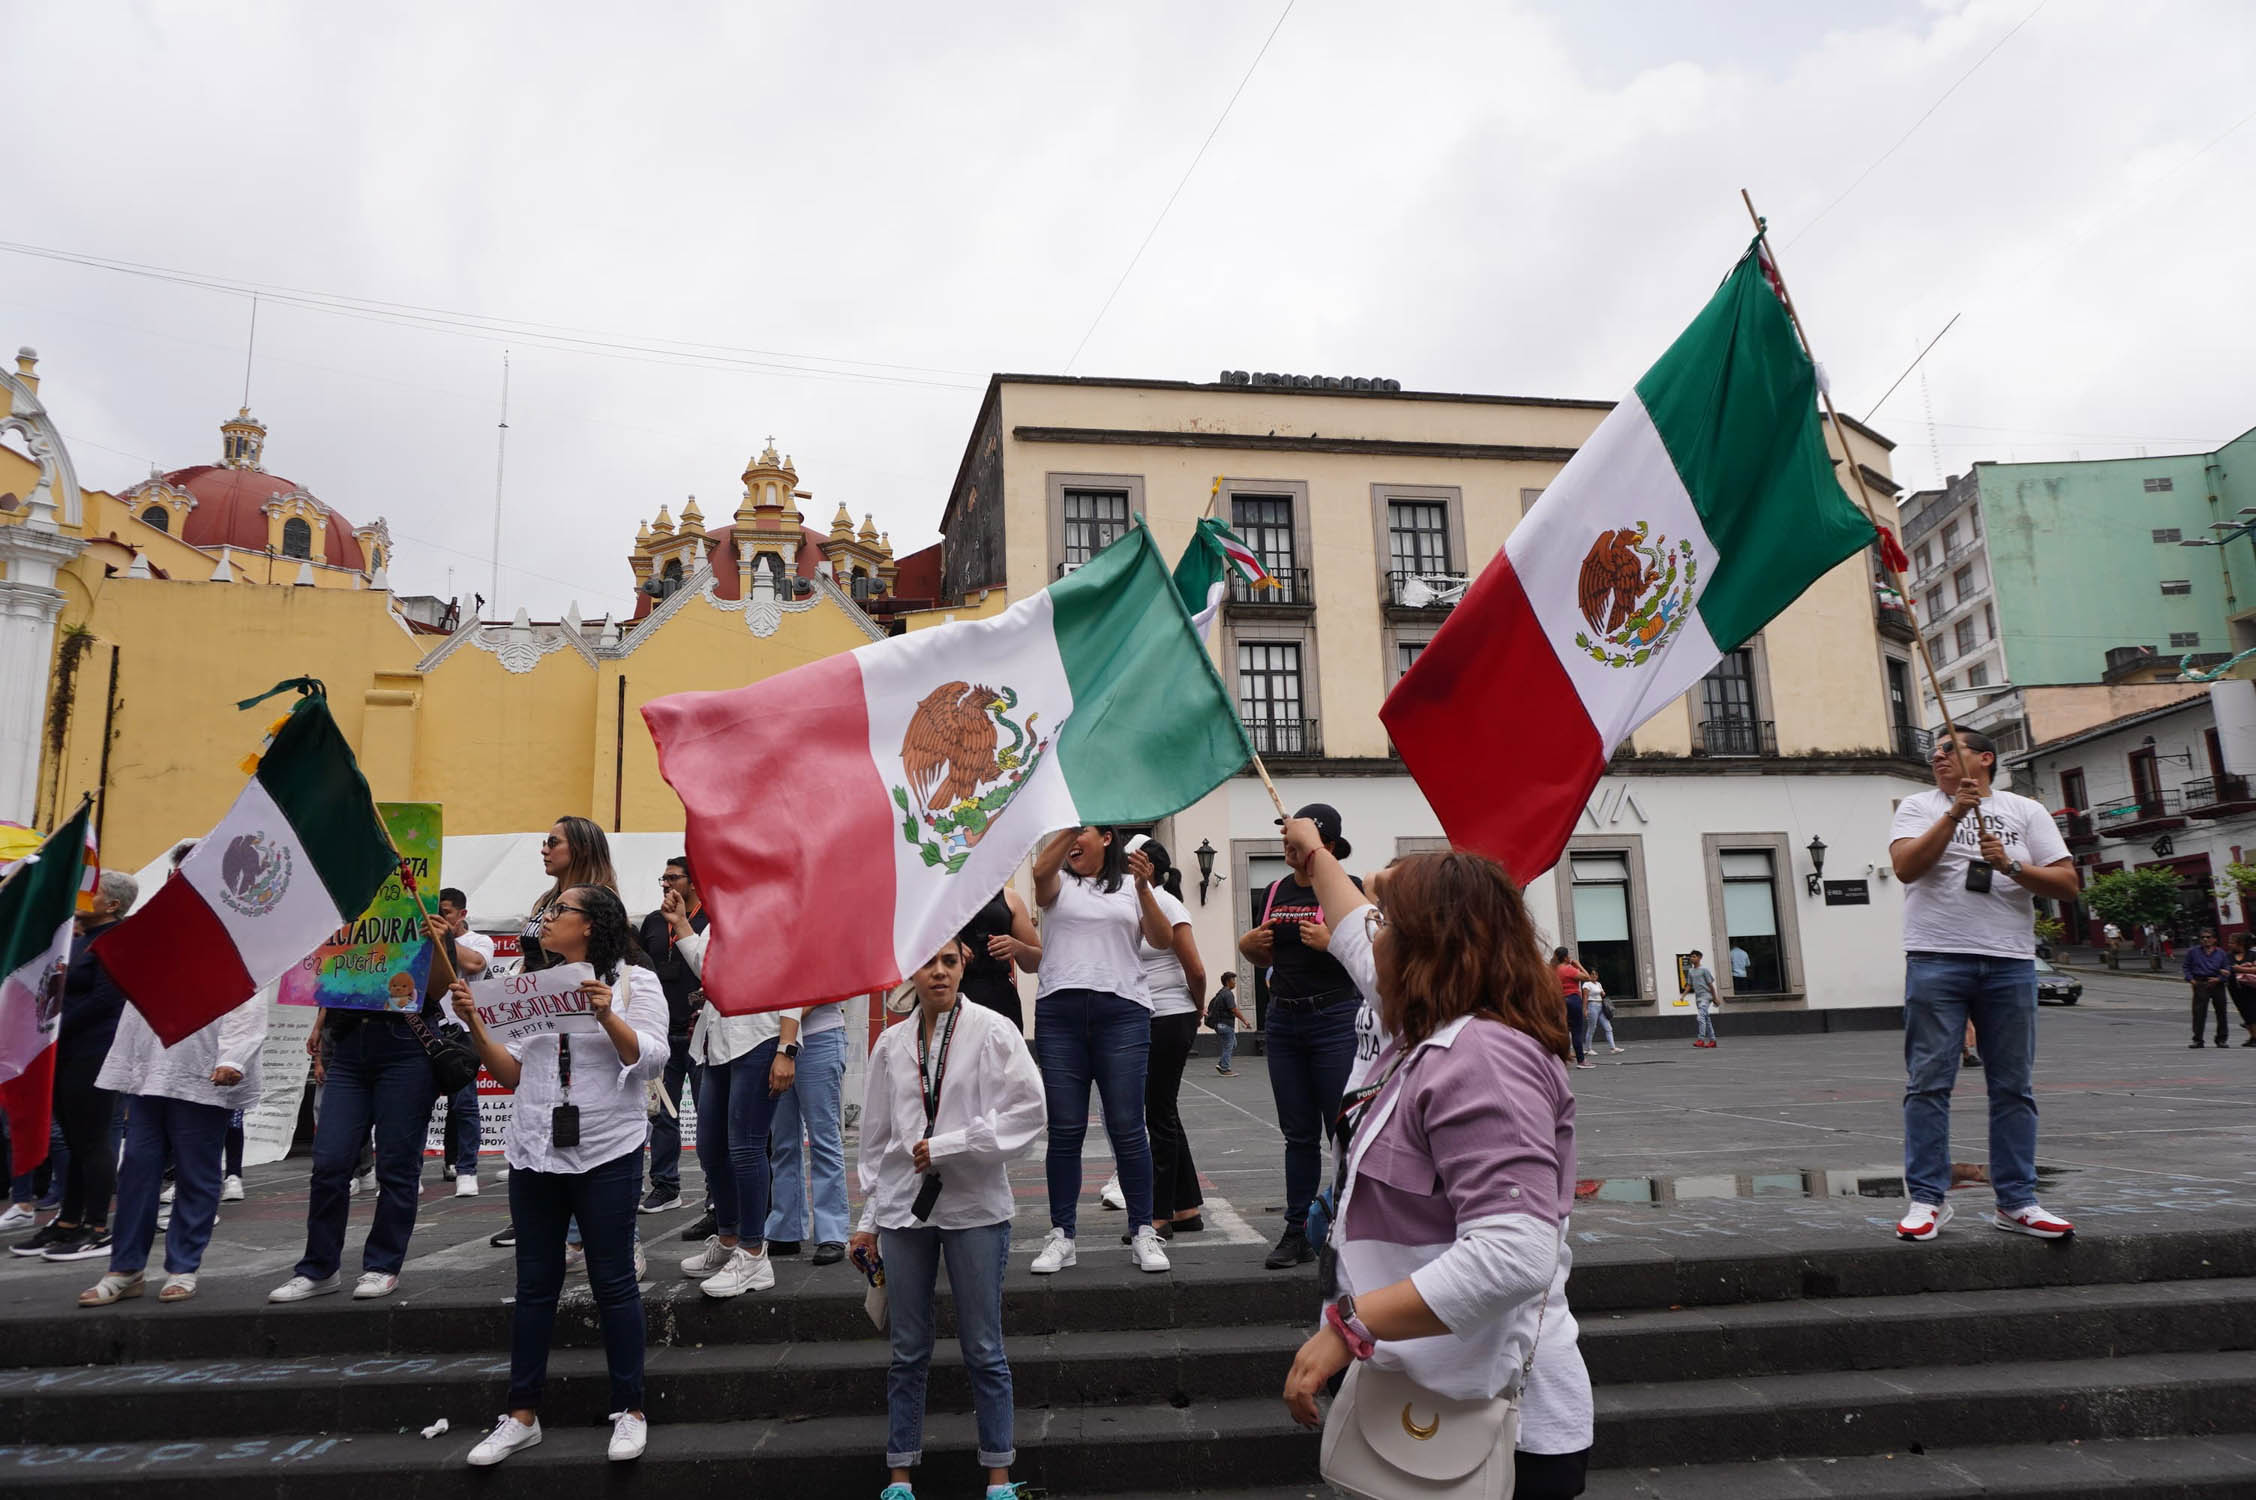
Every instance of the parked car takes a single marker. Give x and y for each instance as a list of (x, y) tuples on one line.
[(2056, 987)]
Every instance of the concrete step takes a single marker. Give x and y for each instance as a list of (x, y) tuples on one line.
[(2133, 1469), (1924, 1328), (1155, 1449), (379, 1393), (1856, 1413)]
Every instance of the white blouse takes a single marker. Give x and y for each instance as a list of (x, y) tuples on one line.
[(991, 1109), (1166, 986), (717, 1039), (609, 1093), (1091, 940)]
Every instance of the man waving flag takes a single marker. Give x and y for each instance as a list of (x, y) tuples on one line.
[(1702, 506)]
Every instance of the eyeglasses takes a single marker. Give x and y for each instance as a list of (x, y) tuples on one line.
[(669, 877), (560, 906)]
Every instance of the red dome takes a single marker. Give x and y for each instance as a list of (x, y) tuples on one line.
[(230, 512)]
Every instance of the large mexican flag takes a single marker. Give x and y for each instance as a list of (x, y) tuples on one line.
[(37, 899), (1702, 506), (301, 853), (847, 816)]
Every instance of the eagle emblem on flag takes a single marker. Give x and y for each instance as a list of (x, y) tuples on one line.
[(959, 775), (1635, 589), (254, 873)]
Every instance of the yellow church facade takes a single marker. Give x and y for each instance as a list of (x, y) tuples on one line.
[(135, 621)]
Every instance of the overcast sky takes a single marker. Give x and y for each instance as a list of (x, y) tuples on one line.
[(873, 210)]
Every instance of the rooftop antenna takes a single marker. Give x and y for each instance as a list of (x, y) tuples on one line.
[(250, 350), (501, 461)]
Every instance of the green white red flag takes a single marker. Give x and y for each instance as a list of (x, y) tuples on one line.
[(1701, 508), (37, 901), (301, 853), (1202, 577)]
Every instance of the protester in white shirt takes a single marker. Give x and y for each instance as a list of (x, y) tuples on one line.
[(1092, 1024), (575, 1152), (951, 1096), (1174, 978), (749, 1062)]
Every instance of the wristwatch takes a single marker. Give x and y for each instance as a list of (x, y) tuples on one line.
[(2013, 867), (1340, 1316), (789, 1049)]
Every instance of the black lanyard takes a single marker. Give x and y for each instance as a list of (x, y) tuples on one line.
[(929, 1084)]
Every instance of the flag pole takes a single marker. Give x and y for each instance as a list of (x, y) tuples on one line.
[(1896, 579), (1214, 496)]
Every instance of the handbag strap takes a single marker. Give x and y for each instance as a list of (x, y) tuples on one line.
[(1527, 1366)]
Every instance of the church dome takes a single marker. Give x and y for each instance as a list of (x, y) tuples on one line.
[(231, 498)]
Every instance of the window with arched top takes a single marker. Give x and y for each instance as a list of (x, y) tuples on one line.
[(673, 569), (157, 516), (297, 538)]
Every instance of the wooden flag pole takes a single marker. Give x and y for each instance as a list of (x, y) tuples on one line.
[(1897, 580), (1275, 801)]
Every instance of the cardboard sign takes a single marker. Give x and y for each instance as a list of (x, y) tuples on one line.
[(519, 1007), (382, 959)]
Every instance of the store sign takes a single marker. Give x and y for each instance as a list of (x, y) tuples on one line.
[(1848, 893)]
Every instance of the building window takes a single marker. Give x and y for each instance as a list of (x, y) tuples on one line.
[(1730, 709), (2184, 640), (1750, 922), (157, 516), (1950, 538), (1528, 497), (297, 538), (1989, 622), (1935, 607), (2168, 534), (1603, 939), (1417, 536), (2160, 486), (1962, 582), (1978, 676), (1265, 523), (1094, 519), (1406, 654), (1962, 635), (1269, 697), (1922, 559), (2176, 586)]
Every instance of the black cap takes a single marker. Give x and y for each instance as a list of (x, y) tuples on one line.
[(1327, 820)]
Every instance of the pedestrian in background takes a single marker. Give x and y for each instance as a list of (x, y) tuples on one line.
[(1003, 940), (1703, 982), (1597, 1016), (2243, 983), (807, 1142), (2207, 968), (1571, 977), (471, 953), (677, 887), (1224, 1015)]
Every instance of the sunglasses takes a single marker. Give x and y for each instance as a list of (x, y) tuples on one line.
[(552, 842)]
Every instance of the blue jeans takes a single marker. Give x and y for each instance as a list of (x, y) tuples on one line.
[(665, 1126), (1705, 1007), (734, 1112), (196, 1135), (1575, 1028), (1083, 1037), (976, 1260), (1942, 991), (813, 1104), (377, 1075), (602, 1199), (462, 1124), (1310, 1054), (1596, 1020), (1229, 1037)]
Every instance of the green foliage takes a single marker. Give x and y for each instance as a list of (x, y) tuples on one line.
[(2049, 930), (2242, 875), (2142, 896)]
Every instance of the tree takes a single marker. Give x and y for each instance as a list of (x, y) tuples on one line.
[(2124, 897)]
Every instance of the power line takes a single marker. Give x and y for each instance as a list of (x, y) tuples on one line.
[(1184, 181)]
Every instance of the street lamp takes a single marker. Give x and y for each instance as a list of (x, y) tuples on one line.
[(1205, 852), (1814, 879)]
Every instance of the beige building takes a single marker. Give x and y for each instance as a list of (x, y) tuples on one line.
[(1372, 506)]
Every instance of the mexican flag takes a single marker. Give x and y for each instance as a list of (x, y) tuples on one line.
[(848, 816), (301, 853), (1702, 506), (1203, 575), (37, 901)]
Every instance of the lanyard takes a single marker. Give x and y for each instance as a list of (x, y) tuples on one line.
[(928, 1083), (564, 1065), (1360, 1101)]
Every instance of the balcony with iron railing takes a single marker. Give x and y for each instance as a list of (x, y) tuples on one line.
[(2219, 796), (1431, 590), (2139, 814), (1893, 618), (2076, 828), (1287, 589), (1736, 736), (1913, 744), (1285, 739)]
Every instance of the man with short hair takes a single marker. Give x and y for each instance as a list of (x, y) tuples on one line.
[(1703, 982), (676, 883), (2206, 968), (472, 953), (1224, 1015), (1970, 859)]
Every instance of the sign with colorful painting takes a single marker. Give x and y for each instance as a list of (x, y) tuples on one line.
[(381, 960)]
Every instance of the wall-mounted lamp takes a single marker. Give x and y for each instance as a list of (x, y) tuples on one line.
[(1814, 880), (1205, 853), (2183, 758)]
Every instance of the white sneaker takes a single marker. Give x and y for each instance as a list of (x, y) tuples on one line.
[(630, 1434), (1056, 1254), (365, 1182), (504, 1440), (575, 1259), (1146, 1250), (642, 1263), (466, 1186), (374, 1284), (1617, 1049), (2034, 1221), (708, 1260), (298, 1288), (169, 1190), (1110, 1195), (231, 1190), (1923, 1221), (745, 1272), (18, 1216)]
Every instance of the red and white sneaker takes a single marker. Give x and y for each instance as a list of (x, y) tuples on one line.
[(2033, 1221), (1923, 1221)]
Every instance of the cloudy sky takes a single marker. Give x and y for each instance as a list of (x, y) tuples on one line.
[(830, 225)]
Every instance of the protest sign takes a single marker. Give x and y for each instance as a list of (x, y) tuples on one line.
[(382, 959), (519, 1007)]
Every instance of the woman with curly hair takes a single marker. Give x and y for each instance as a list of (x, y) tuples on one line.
[(1450, 1234), (575, 1152)]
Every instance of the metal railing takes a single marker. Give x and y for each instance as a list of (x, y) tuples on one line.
[(2215, 791), (1737, 736), (1291, 589), (1914, 744), (1285, 738), (1437, 588), (2109, 816), (2076, 827)]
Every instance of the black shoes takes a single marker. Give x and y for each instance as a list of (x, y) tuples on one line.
[(504, 1239), (829, 1253), (661, 1200), (1292, 1250), (705, 1226), (783, 1247)]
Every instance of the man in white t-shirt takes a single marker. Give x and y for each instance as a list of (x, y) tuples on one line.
[(1970, 858)]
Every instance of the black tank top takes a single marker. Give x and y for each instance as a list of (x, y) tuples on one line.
[(988, 980)]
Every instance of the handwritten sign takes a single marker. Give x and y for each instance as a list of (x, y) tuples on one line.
[(519, 1007), (381, 959)]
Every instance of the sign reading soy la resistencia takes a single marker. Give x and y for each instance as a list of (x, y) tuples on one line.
[(518, 1007)]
